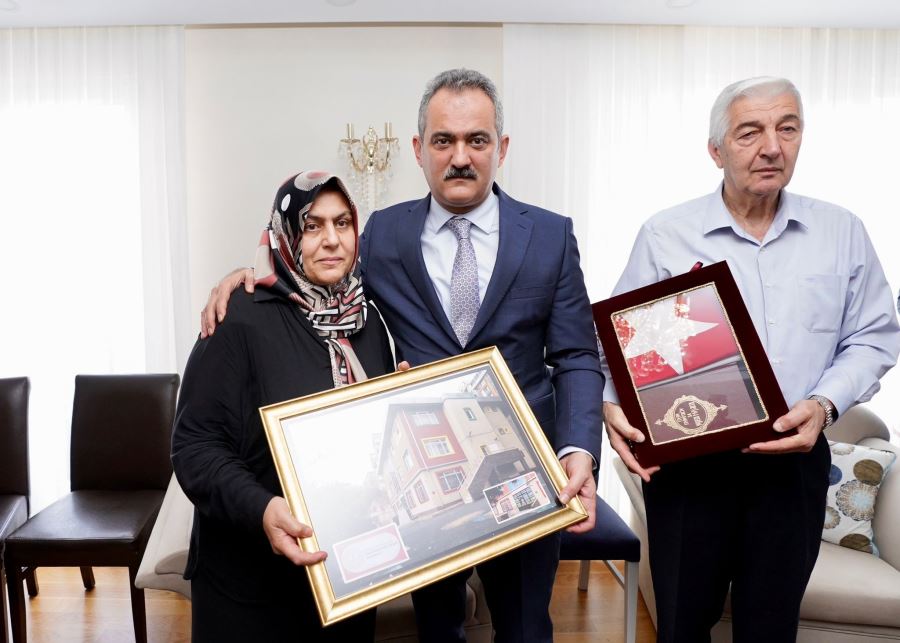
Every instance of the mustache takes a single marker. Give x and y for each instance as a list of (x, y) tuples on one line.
[(460, 173)]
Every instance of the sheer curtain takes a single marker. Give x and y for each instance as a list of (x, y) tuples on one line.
[(92, 230), (608, 125)]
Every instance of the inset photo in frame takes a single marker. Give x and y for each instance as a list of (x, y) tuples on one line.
[(688, 366), (413, 476), (516, 496)]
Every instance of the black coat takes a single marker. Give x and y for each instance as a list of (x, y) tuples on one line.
[(264, 352)]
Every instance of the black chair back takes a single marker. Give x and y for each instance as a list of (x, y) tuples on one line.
[(117, 441), (14, 436)]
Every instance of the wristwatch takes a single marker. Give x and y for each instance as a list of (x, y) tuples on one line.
[(828, 407)]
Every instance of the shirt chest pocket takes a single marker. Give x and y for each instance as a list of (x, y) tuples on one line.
[(821, 302)]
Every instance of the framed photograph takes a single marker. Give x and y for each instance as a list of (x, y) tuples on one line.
[(689, 368), (411, 477)]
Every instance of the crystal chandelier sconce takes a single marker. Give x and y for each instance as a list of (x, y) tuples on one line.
[(369, 162)]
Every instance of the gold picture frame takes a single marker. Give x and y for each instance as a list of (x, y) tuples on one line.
[(411, 477)]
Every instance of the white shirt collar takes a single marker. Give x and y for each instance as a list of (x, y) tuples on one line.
[(486, 216), (717, 215)]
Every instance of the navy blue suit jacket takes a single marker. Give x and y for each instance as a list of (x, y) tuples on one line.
[(535, 310)]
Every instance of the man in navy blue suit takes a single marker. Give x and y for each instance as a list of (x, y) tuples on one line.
[(524, 293)]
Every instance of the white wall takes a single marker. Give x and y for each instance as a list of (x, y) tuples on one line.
[(262, 103)]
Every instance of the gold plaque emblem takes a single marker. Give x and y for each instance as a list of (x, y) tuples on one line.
[(691, 415)]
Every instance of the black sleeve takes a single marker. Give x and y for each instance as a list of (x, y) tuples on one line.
[(388, 361), (209, 437)]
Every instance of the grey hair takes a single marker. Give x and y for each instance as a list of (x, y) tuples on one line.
[(457, 80), (759, 86)]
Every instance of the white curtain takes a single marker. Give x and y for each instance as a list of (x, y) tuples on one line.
[(608, 125), (92, 230)]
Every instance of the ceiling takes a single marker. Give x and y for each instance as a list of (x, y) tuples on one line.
[(787, 13)]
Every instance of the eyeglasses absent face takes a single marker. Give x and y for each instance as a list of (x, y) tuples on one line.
[(328, 245), (460, 150)]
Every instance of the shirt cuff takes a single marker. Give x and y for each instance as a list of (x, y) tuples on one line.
[(562, 453), (832, 389), (609, 392)]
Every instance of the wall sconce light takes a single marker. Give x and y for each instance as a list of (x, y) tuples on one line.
[(369, 162)]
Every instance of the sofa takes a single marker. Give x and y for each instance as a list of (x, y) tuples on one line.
[(852, 596), (166, 556)]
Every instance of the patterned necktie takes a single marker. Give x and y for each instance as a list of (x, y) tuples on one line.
[(464, 300)]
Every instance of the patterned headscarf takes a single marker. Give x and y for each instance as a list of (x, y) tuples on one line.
[(336, 311)]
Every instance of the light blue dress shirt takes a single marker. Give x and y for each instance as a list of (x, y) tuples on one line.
[(813, 286), (439, 245)]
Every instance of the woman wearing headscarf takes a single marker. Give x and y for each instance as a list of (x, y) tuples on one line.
[(306, 328)]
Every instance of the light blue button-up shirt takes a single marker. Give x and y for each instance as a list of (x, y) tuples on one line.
[(439, 245), (813, 286)]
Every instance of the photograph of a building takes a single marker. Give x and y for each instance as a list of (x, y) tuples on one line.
[(422, 471), (516, 497), (440, 452)]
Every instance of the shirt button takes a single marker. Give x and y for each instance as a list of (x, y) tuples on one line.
[(777, 360), (771, 321), (768, 284)]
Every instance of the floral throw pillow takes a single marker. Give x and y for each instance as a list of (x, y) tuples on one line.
[(856, 475)]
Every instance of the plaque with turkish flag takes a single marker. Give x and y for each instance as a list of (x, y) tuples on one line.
[(689, 368)]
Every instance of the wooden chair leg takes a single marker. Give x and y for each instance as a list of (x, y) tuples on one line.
[(584, 574), (138, 609), (16, 596), (31, 580), (87, 577), (3, 608)]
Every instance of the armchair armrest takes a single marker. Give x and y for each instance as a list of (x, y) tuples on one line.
[(886, 523), (167, 550), (859, 425)]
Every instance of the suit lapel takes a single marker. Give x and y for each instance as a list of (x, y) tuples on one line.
[(410, 247), (515, 233)]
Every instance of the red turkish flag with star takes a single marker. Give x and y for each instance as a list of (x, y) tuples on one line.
[(693, 325)]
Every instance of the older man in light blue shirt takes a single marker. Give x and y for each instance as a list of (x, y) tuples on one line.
[(824, 312), (814, 288)]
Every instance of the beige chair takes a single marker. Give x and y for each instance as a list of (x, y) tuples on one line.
[(852, 596), (166, 556)]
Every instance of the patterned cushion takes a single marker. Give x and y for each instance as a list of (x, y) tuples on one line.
[(856, 475)]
